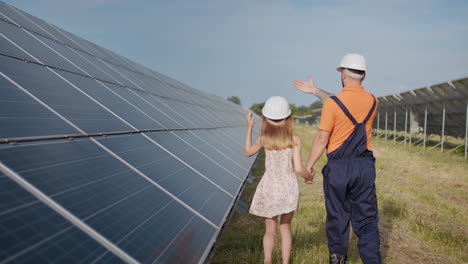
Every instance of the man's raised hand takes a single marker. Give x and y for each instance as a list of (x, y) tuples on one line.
[(306, 86)]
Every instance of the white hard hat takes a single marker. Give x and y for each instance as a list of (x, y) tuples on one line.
[(353, 61), (276, 107)]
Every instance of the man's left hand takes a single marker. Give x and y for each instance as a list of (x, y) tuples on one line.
[(306, 86)]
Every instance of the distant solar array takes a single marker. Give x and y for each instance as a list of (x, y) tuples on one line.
[(103, 160), (440, 109)]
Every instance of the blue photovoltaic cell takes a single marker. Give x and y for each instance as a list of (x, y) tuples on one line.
[(37, 25), (149, 85), (186, 246), (172, 236), (12, 16), (131, 79), (226, 143), (166, 106), (143, 102), (22, 116), (78, 59), (103, 192), (179, 113), (100, 51), (211, 149), (74, 173), (171, 174), (198, 161), (105, 72), (7, 47), (194, 114), (61, 96), (112, 101), (34, 47), (233, 138), (220, 119), (31, 232)]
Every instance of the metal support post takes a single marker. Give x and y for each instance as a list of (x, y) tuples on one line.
[(443, 130), (386, 119), (406, 122), (425, 128), (410, 126), (378, 124), (466, 133), (394, 126)]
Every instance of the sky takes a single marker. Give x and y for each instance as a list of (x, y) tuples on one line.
[(255, 49)]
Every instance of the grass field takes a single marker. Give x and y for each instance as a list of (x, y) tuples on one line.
[(423, 207)]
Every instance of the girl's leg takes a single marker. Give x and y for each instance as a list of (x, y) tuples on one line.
[(286, 238), (269, 237)]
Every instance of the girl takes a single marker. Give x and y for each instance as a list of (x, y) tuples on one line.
[(278, 191)]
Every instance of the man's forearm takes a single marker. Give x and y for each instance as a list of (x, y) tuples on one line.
[(318, 146), (317, 149), (322, 95)]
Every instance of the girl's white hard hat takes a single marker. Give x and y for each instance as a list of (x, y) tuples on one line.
[(276, 107)]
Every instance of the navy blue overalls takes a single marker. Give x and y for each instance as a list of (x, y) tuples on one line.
[(349, 187)]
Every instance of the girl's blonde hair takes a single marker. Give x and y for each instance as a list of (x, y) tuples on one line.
[(277, 134)]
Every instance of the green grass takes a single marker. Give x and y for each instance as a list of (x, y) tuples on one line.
[(431, 140), (422, 205)]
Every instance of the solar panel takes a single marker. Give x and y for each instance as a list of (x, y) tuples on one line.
[(103, 160), (451, 96), (33, 232)]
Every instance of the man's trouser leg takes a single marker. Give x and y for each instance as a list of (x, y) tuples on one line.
[(338, 209), (364, 213)]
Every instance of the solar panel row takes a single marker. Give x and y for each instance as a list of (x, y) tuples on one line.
[(105, 161), (453, 96)]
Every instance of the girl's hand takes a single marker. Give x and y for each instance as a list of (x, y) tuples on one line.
[(310, 178), (250, 119), (306, 87)]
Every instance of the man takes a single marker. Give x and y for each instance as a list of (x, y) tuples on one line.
[(349, 176)]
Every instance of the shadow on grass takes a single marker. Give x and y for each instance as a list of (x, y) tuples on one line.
[(308, 241), (391, 211)]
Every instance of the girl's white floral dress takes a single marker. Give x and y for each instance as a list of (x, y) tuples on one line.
[(278, 190)]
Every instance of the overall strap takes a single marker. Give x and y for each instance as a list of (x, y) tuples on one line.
[(344, 109), (371, 111)]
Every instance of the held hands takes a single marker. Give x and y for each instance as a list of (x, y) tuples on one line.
[(250, 119), (310, 178), (306, 86)]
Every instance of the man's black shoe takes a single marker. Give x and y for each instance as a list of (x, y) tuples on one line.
[(335, 259)]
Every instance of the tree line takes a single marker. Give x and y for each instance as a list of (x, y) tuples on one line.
[(295, 110)]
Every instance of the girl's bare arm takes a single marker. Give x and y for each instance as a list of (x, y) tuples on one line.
[(249, 149), (297, 160)]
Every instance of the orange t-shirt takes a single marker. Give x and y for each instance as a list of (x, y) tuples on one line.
[(334, 120)]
